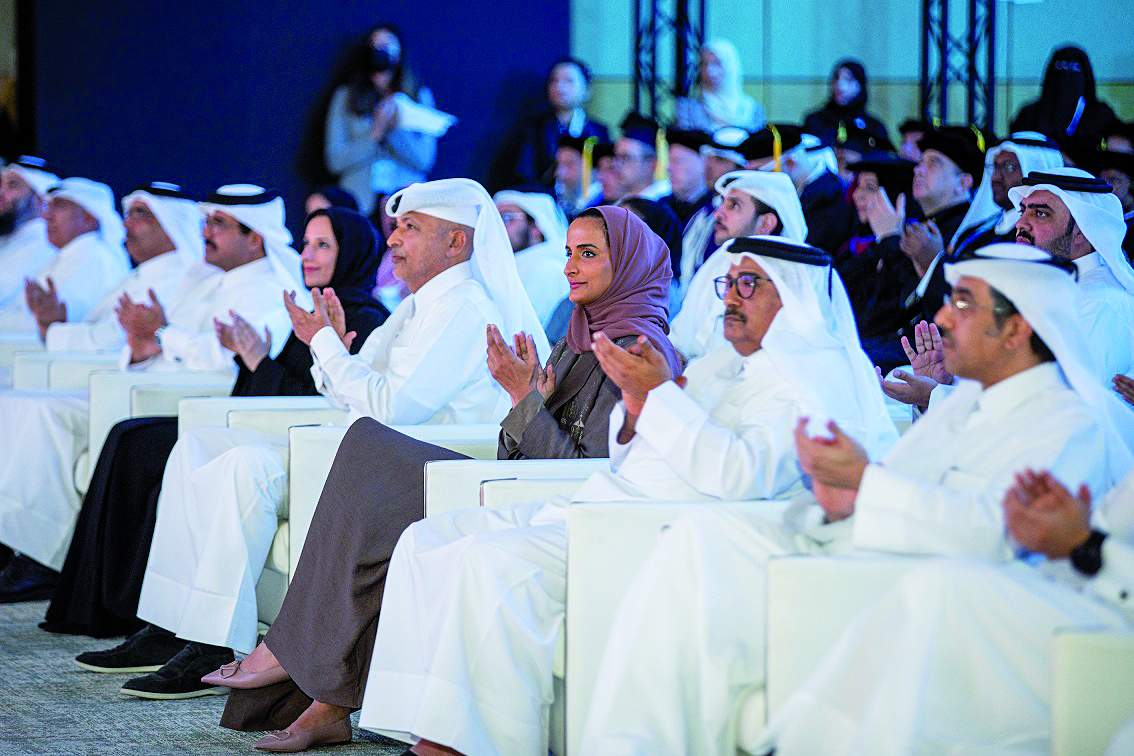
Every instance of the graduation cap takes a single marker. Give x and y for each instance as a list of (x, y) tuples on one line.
[(883, 162), (692, 139), (641, 129), (960, 144), (914, 124), (772, 141), (573, 143), (602, 150), (1123, 162)]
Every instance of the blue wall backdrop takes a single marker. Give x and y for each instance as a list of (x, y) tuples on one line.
[(213, 92)]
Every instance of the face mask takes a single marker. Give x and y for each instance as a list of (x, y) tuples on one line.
[(383, 60)]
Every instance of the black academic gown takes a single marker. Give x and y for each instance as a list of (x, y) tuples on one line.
[(101, 580), (685, 210), (830, 218), (531, 150)]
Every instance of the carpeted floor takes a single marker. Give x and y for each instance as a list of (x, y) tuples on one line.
[(50, 706)]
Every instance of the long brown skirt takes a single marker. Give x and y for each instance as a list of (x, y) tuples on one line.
[(324, 634)]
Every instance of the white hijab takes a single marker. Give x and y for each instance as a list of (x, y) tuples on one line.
[(178, 216), (1099, 217), (1031, 158), (728, 106), (464, 201), (813, 338), (267, 219), (1046, 297)]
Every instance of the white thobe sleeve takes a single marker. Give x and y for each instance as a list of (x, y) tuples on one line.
[(963, 514), (757, 461), (1114, 583), (616, 450), (429, 364), (1108, 334)]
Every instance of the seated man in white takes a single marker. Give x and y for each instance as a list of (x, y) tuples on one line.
[(163, 238), (683, 655), (83, 224), (537, 231), (38, 498), (1073, 215), (959, 652), (754, 203), (474, 600), (224, 490), (24, 249)]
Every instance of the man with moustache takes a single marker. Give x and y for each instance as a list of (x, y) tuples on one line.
[(24, 249)]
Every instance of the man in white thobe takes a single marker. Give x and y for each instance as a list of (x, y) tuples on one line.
[(537, 231), (754, 203), (86, 229), (474, 600), (960, 651), (1071, 214), (684, 654), (24, 249), (223, 491), (39, 500), (163, 238)]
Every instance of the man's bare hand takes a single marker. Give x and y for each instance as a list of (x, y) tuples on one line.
[(921, 242), (885, 219), (44, 304), (306, 324), (240, 337), (908, 389), (636, 371), (839, 461), (141, 323), (927, 355), (1125, 387), (1044, 517)]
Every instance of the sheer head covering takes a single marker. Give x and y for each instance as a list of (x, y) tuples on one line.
[(262, 210), (728, 104), (1046, 296), (177, 213), (637, 302), (1095, 208), (1034, 152), (464, 201), (33, 170), (541, 207), (725, 143), (356, 266), (98, 200), (813, 340), (775, 190)]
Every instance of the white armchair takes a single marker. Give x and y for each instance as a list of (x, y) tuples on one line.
[(58, 370), (1092, 689)]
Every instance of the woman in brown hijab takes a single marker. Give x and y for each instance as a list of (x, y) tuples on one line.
[(310, 671)]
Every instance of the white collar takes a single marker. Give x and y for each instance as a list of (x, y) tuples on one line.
[(436, 287), (1087, 263), (1005, 396)]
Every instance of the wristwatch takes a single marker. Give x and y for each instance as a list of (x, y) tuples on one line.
[(1087, 558)]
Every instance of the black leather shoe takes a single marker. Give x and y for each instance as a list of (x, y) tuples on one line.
[(181, 677), (145, 651), (24, 579)]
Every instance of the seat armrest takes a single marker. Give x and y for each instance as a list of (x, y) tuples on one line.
[(111, 394), (163, 401), (607, 543), (498, 494), (15, 342), (32, 370), (1092, 689), (455, 483), (193, 412), (278, 421)]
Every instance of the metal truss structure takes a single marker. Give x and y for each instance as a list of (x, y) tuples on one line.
[(968, 60), (680, 23)]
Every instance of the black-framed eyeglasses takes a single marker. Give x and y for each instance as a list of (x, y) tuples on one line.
[(745, 284), (963, 305)]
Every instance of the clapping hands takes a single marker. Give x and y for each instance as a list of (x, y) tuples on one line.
[(241, 338), (517, 369)]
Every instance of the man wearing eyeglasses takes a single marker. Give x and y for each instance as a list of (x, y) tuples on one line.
[(1029, 401), (723, 431)]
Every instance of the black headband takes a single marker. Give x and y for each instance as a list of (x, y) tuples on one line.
[(780, 250), (1061, 263), (162, 189), (242, 199), (1088, 184)]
